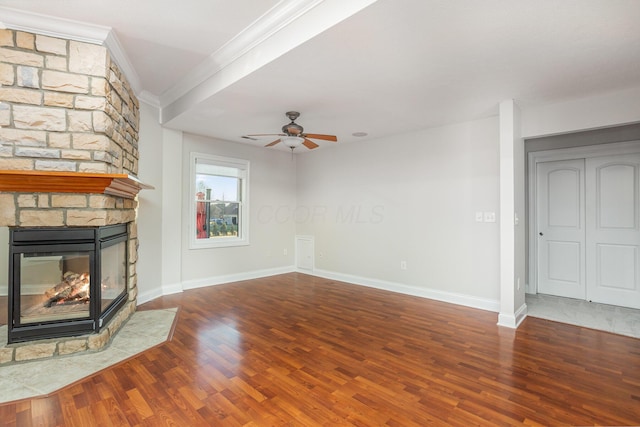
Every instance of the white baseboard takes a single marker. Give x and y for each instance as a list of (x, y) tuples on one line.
[(173, 288), (513, 320), (148, 296), (434, 294), (521, 314), (236, 277)]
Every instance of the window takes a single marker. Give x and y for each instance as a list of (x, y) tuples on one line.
[(219, 201)]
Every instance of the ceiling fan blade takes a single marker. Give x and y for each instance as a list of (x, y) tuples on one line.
[(320, 136), (267, 134), (273, 143), (309, 144)]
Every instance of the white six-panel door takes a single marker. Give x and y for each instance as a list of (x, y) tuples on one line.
[(588, 225), (561, 228), (613, 232)]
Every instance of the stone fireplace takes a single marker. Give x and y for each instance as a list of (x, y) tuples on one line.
[(68, 161)]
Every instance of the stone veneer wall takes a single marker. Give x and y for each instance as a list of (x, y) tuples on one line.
[(66, 106)]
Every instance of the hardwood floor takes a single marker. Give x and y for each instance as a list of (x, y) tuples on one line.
[(295, 350)]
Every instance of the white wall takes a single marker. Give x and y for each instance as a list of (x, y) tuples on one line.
[(272, 188), (149, 205), (603, 110), (369, 205), (410, 198), (171, 264)]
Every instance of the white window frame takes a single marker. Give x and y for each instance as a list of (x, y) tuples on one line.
[(242, 239)]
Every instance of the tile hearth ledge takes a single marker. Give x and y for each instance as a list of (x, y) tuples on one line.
[(121, 185)]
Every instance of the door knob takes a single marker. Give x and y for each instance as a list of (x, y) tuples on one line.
[(540, 233)]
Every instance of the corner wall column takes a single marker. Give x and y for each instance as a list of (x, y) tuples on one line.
[(512, 307)]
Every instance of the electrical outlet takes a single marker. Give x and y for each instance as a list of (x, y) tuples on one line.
[(403, 265), (285, 251)]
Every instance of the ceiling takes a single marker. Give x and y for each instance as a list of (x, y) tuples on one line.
[(227, 68)]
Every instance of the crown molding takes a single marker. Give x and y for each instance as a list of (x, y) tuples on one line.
[(30, 22), (149, 98), (120, 57), (68, 29), (275, 19), (283, 28)]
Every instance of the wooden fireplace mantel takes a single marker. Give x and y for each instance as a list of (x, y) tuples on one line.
[(28, 181)]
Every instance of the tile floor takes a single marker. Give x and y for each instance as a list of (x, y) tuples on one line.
[(619, 320), (143, 330)]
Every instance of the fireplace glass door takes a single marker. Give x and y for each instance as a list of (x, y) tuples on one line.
[(54, 286), (114, 273), (65, 281)]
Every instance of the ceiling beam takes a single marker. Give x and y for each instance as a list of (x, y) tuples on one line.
[(281, 29)]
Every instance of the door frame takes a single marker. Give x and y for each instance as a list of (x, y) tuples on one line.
[(535, 157)]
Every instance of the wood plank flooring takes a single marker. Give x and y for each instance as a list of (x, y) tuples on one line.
[(296, 350)]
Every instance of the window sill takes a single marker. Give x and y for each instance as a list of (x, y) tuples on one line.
[(210, 244)]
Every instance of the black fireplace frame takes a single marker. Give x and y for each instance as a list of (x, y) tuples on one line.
[(58, 240)]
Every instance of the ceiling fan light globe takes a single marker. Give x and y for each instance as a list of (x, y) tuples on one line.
[(292, 141)]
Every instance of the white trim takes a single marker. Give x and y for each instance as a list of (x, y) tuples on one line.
[(437, 295), (513, 320), (52, 26), (284, 27), (434, 294), (236, 277), (587, 151), (243, 215), (149, 296), (278, 17), (119, 56), (150, 99), (535, 157), (172, 288)]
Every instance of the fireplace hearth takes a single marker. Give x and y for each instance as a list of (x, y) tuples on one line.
[(65, 281)]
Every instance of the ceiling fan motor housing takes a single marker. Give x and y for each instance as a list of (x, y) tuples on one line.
[(292, 129)]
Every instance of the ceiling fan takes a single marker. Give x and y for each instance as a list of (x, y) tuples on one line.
[(293, 135)]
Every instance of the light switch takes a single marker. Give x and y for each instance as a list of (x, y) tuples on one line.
[(479, 217), (489, 217)]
